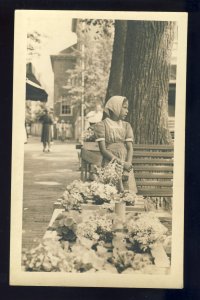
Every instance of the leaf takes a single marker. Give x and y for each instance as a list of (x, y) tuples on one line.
[(101, 251), (86, 242), (68, 222), (47, 266)]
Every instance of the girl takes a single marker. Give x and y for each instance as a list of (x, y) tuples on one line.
[(115, 139)]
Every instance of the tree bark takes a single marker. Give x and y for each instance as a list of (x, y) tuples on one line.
[(146, 79), (143, 76), (117, 63)]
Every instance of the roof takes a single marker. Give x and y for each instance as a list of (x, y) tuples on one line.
[(70, 52)]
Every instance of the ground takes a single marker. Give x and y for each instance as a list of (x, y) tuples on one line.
[(45, 177)]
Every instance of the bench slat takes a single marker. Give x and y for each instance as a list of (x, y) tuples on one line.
[(155, 192), (153, 147), (154, 183), (152, 161), (154, 168), (152, 154), (153, 175)]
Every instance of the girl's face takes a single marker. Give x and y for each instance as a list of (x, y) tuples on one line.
[(124, 110)]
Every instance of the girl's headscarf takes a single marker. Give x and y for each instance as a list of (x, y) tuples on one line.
[(115, 105)]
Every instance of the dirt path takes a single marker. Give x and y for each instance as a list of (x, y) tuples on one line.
[(45, 178)]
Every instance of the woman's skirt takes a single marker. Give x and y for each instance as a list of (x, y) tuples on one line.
[(46, 136)]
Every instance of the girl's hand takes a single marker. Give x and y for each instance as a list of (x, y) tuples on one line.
[(127, 166), (125, 176)]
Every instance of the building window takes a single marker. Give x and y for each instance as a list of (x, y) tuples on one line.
[(66, 109), (65, 106)]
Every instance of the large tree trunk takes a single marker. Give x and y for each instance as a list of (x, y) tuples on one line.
[(117, 63), (145, 80)]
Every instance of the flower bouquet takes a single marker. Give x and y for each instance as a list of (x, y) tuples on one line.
[(88, 135), (111, 173), (97, 227), (78, 193), (48, 256), (127, 261), (144, 230), (102, 193), (66, 225)]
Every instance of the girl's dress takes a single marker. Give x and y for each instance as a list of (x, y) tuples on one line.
[(116, 134), (46, 136)]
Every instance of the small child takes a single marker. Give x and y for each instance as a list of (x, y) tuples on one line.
[(115, 139)]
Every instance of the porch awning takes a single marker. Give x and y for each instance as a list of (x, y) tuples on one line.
[(34, 90)]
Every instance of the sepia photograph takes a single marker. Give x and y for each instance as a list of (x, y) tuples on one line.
[(97, 195)]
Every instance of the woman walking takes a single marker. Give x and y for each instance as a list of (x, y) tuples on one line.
[(46, 136)]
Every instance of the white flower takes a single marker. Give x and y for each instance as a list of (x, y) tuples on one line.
[(145, 230)]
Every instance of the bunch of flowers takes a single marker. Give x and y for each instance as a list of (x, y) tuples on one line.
[(71, 201), (96, 227), (75, 194), (88, 229), (145, 230), (79, 187), (105, 227), (128, 197), (111, 173), (128, 261), (88, 135), (66, 225), (79, 192), (49, 256), (53, 256), (102, 193), (86, 259)]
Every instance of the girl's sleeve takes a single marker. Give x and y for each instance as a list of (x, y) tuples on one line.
[(129, 133), (99, 131)]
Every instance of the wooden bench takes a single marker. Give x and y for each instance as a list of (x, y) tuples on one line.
[(152, 164)]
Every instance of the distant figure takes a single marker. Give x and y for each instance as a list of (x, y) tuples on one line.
[(28, 129), (55, 127), (68, 130), (94, 116), (62, 130), (46, 136)]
